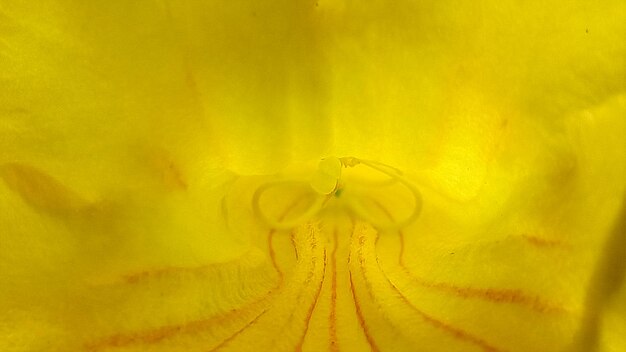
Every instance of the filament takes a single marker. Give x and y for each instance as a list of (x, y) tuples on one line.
[(326, 184), (284, 224), (394, 174)]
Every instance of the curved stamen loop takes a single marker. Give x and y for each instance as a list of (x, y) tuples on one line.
[(326, 183), (396, 175), (280, 224)]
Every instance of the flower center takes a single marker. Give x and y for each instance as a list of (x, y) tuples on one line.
[(354, 194)]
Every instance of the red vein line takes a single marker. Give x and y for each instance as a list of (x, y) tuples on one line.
[(513, 296), (357, 306), (233, 336), (400, 233), (359, 315), (160, 272), (332, 319), (272, 253), (270, 237), (540, 242), (136, 277), (152, 336), (401, 254), (454, 331), (157, 335), (495, 295), (312, 308)]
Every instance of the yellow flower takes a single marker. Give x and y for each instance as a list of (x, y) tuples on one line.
[(161, 190)]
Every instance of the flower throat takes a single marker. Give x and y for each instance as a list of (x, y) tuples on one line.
[(327, 184)]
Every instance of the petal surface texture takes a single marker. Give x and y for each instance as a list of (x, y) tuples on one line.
[(136, 137)]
